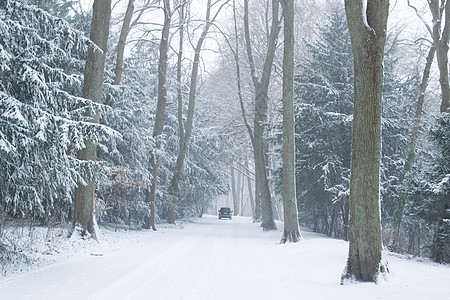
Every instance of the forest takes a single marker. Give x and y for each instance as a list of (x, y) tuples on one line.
[(137, 113)]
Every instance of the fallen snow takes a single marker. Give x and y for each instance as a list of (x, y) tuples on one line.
[(212, 259)]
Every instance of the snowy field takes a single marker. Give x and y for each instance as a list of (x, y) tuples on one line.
[(212, 259)]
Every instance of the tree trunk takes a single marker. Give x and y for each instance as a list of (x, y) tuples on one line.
[(241, 195), (238, 194), (441, 41), (160, 113), (345, 218), (234, 191), (261, 86), (291, 230), (256, 214), (400, 205), (250, 191), (118, 70), (368, 36), (92, 89)]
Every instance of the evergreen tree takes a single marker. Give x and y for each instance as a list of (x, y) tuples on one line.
[(323, 126), (132, 114), (41, 126), (429, 192)]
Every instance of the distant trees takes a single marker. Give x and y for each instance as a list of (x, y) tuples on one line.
[(185, 131), (323, 118)]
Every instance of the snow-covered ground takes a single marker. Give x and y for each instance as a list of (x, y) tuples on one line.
[(212, 259)]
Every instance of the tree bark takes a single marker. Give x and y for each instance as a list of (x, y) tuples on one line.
[(118, 70), (441, 42), (92, 89), (160, 113), (261, 86), (367, 27), (291, 231)]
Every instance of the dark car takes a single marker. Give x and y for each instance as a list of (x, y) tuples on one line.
[(225, 212)]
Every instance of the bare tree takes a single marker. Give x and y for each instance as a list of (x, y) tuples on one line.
[(291, 231), (160, 112), (261, 86), (118, 70), (185, 132), (440, 42), (367, 22), (440, 9), (92, 89)]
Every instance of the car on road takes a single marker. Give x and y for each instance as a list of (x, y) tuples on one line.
[(225, 212)]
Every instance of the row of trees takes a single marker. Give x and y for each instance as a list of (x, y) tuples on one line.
[(99, 136), (144, 136), (324, 117)]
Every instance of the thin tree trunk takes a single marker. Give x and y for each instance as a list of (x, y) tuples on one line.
[(160, 113), (234, 191), (291, 231), (118, 70), (250, 191), (367, 27), (400, 205), (441, 42), (92, 89), (172, 202), (238, 189), (241, 197), (255, 213)]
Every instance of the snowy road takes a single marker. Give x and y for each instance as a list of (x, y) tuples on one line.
[(212, 259)]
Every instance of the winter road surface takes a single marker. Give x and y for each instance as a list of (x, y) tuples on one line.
[(212, 259)]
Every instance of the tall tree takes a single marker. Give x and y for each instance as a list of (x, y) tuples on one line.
[(261, 85), (160, 112), (291, 231), (185, 131), (92, 89), (441, 41), (441, 36), (367, 22), (400, 204), (323, 108)]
